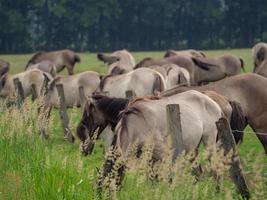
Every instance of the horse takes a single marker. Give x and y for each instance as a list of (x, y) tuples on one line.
[(45, 66), (229, 64), (259, 54), (142, 82), (173, 74), (99, 112), (102, 111), (61, 59), (198, 73), (187, 53), (144, 120), (89, 80), (27, 79), (118, 62), (247, 89), (4, 67)]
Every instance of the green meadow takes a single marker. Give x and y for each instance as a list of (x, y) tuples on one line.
[(34, 168)]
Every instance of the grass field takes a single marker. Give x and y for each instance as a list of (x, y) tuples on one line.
[(33, 168)]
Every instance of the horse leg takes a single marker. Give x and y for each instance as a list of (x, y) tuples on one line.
[(262, 136), (70, 69)]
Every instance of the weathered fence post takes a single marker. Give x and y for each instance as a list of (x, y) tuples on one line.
[(19, 92), (44, 89), (34, 92), (63, 113), (82, 97), (130, 94), (228, 144), (175, 129)]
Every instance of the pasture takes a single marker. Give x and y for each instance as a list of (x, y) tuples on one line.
[(34, 168)]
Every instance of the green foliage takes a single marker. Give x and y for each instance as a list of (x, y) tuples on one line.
[(137, 25)]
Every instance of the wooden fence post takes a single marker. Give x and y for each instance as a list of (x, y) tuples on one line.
[(228, 144), (19, 92), (44, 89), (34, 92), (175, 129), (130, 94), (82, 97), (63, 113)]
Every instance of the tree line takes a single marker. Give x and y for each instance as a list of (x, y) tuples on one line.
[(106, 25)]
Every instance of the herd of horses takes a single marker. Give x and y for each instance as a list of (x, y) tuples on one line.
[(206, 89)]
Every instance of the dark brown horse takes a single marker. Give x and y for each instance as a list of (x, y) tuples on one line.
[(99, 112), (4, 67), (249, 90), (198, 73), (61, 59), (187, 53)]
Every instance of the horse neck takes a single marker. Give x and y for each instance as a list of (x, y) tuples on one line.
[(111, 114)]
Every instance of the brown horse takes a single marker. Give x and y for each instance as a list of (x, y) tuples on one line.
[(4, 67), (259, 54), (187, 53), (119, 62), (229, 64), (247, 89), (198, 73), (61, 59)]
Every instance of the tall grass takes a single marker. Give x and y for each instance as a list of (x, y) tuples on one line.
[(34, 168)]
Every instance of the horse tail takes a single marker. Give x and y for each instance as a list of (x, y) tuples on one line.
[(159, 84), (32, 60), (238, 121), (77, 58), (242, 64)]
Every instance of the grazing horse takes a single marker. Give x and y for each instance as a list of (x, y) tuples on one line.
[(229, 64), (198, 73), (144, 120), (89, 80), (61, 59), (119, 62), (4, 67), (186, 53), (142, 82), (27, 79), (45, 66), (247, 89), (259, 54), (173, 74), (101, 111)]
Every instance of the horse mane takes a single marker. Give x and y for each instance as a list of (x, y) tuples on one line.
[(53, 82), (138, 65), (169, 53), (103, 81), (117, 71), (110, 107), (35, 55)]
